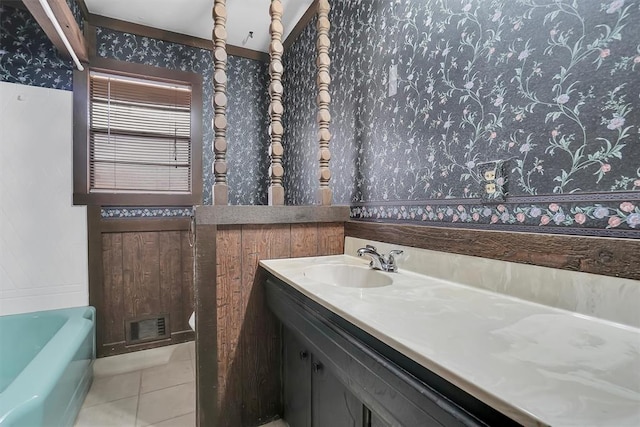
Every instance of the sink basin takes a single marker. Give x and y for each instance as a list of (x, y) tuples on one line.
[(348, 276)]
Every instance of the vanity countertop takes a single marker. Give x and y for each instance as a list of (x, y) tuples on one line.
[(537, 364)]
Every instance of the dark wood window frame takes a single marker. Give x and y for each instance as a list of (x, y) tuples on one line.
[(81, 194)]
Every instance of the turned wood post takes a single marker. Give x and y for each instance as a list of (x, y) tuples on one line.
[(276, 171), (220, 189), (324, 117)]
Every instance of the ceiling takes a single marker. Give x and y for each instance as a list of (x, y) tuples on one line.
[(193, 17)]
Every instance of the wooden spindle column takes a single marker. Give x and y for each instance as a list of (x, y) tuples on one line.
[(324, 99), (220, 188), (276, 171)]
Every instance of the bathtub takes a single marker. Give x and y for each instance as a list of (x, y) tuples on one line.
[(46, 366)]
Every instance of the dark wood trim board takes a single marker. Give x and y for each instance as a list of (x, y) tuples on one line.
[(598, 255), (205, 273), (228, 215), (96, 293), (121, 225), (156, 33), (176, 338)]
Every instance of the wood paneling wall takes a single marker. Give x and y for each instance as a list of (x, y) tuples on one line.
[(139, 267), (599, 255), (248, 334), (237, 337)]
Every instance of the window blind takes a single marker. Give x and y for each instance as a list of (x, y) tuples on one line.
[(139, 136)]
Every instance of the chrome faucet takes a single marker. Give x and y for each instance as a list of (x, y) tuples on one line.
[(378, 261)]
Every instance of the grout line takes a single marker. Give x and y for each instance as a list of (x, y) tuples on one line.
[(164, 388), (138, 403)]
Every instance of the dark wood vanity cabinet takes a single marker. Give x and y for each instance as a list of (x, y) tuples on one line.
[(296, 381), (313, 396), (335, 374)]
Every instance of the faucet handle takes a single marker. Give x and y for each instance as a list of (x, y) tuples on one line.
[(393, 254)]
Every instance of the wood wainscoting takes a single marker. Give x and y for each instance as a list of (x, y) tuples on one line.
[(139, 268), (238, 339)]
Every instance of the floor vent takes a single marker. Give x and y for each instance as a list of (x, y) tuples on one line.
[(148, 328)]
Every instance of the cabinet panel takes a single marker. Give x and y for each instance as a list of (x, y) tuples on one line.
[(376, 421), (296, 385), (332, 404)]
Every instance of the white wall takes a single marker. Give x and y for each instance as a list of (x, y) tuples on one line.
[(43, 238)]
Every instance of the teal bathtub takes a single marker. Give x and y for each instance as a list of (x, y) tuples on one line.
[(46, 366)]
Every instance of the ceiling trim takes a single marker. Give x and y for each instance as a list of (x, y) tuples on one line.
[(170, 36), (247, 53), (311, 12)]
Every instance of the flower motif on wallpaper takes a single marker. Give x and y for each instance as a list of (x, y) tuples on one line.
[(626, 215), (158, 53), (76, 12), (549, 85), (26, 54), (247, 110), (248, 131), (107, 213)]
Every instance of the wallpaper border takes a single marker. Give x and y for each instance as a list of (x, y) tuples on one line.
[(147, 212), (545, 198), (589, 219)]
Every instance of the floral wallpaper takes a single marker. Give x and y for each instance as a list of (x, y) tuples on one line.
[(248, 131), (77, 12), (550, 87), (27, 57), (247, 111), (300, 138), (122, 212), (26, 54)]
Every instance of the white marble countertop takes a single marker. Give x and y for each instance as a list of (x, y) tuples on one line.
[(537, 364)]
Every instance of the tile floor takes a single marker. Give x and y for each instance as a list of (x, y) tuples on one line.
[(146, 388)]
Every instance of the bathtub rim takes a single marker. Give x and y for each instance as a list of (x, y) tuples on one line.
[(21, 396)]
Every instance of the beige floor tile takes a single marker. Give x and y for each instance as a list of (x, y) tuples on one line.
[(181, 352), (276, 423), (134, 361), (108, 389), (188, 420), (120, 413), (161, 405), (168, 375), (192, 349)]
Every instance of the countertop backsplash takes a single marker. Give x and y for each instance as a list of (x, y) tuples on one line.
[(604, 297)]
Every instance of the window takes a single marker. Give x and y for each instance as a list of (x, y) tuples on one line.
[(141, 139), (139, 136)]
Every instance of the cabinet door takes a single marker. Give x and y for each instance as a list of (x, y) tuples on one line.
[(332, 404), (376, 421), (296, 378)]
